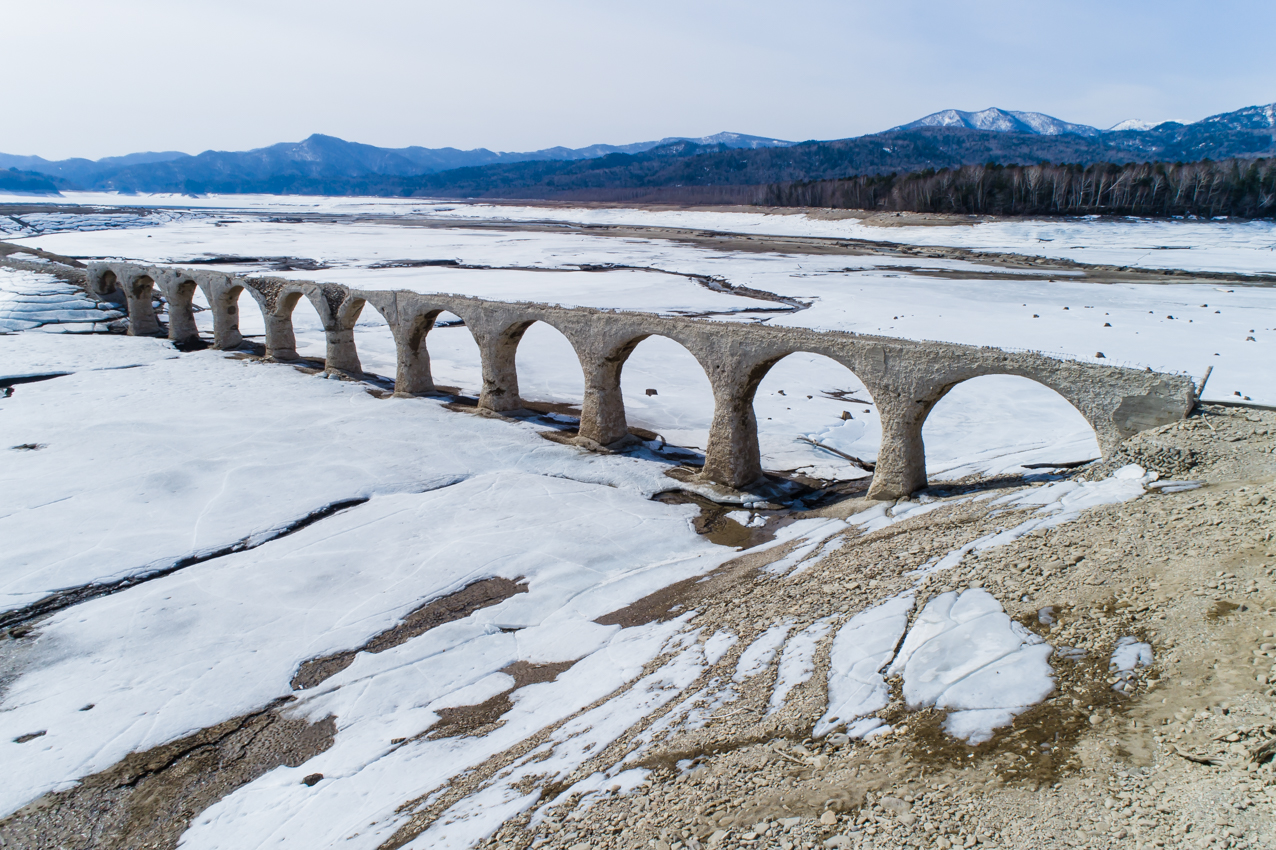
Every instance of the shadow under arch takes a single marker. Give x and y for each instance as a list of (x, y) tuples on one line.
[(995, 423), (814, 416)]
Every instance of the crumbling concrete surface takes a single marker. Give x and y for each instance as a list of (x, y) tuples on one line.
[(906, 378)]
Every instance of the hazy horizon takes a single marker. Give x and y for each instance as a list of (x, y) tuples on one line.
[(142, 75)]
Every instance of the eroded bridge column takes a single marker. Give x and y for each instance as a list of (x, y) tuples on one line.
[(180, 295), (223, 300), (497, 349), (412, 374), (338, 319), (181, 317), (733, 457), (602, 410), (139, 294), (901, 461), (281, 340), (341, 355)]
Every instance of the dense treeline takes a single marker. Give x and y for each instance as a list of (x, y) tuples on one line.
[(1243, 188), (27, 182)]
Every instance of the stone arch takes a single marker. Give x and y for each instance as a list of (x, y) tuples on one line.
[(498, 334), (1065, 402), (103, 284), (338, 312), (852, 424), (414, 321), (367, 316), (412, 375), (603, 415)]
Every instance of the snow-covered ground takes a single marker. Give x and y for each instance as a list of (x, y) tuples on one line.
[(141, 458), (161, 472), (32, 300), (1241, 247)]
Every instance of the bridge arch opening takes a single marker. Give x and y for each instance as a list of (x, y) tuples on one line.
[(373, 339), (815, 418), (307, 328), (441, 355), (995, 424), (550, 378), (665, 390), (455, 360)]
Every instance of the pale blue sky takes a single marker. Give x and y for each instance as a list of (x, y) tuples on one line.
[(96, 79)]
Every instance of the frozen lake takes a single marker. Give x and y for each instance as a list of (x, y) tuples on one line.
[(201, 472)]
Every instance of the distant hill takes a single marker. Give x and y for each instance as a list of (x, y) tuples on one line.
[(1002, 121), (84, 172), (711, 169), (313, 161), (704, 172), (29, 183)]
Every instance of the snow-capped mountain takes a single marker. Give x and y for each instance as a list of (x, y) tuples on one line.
[(1136, 124), (1249, 118), (1002, 121)]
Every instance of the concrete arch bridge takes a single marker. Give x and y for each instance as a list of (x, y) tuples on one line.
[(905, 377)]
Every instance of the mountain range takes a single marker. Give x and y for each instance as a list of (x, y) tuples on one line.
[(711, 168), (318, 156)]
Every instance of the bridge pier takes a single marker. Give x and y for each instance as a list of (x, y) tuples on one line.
[(341, 355), (181, 312), (602, 410), (412, 375), (733, 457), (901, 460), (497, 349), (281, 340), (139, 295), (223, 299)]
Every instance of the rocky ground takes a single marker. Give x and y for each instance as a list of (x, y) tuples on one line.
[(1175, 754)]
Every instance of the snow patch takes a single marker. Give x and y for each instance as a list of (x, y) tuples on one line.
[(860, 650), (965, 654)]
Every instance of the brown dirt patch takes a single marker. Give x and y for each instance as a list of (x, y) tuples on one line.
[(456, 606), (149, 799)]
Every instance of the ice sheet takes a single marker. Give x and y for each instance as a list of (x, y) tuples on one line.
[(861, 649), (32, 300), (965, 654), (89, 508), (222, 638)]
